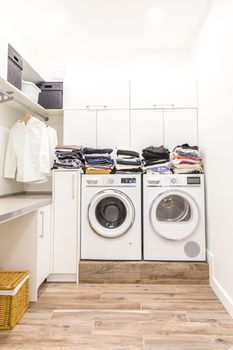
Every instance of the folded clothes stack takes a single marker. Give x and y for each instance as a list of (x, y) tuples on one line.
[(98, 160), (156, 160), (68, 157), (187, 160), (128, 161)]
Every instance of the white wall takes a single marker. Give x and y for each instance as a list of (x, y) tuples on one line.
[(213, 60), (114, 64)]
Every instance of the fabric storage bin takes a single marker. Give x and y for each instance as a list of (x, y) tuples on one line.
[(51, 96), (31, 90), (15, 68), (14, 297)]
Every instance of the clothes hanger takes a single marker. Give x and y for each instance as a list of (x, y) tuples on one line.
[(25, 118)]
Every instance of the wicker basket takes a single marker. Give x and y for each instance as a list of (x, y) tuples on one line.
[(14, 297)]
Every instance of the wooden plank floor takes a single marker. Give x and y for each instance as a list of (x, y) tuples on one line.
[(123, 317)]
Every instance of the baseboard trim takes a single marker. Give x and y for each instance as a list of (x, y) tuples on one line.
[(62, 277), (217, 288)]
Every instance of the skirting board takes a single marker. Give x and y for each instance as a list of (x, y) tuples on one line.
[(217, 288), (62, 277)]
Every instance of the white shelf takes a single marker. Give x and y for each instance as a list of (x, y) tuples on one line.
[(23, 103)]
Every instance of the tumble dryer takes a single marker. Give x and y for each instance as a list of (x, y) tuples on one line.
[(174, 217), (111, 217)]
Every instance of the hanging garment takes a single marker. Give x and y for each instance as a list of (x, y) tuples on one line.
[(27, 153), (53, 142)]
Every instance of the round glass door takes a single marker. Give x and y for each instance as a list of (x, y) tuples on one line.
[(111, 213), (174, 215)]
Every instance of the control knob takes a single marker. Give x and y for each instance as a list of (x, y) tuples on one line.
[(173, 180)]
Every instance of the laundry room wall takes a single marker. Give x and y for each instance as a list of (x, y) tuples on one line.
[(8, 115), (213, 57)]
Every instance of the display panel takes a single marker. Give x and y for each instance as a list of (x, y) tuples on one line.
[(193, 180), (128, 180)]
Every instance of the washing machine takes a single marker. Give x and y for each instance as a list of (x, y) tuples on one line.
[(111, 217), (174, 217)]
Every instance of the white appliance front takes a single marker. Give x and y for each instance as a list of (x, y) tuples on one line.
[(111, 217), (174, 218)]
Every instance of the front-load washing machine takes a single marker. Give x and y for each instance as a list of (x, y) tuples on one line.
[(174, 217), (111, 217)]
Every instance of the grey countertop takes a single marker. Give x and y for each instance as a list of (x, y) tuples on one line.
[(18, 205)]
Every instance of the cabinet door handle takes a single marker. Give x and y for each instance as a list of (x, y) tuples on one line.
[(96, 106), (42, 224), (168, 105), (73, 186)]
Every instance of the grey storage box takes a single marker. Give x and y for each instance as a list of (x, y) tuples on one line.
[(51, 96), (15, 68)]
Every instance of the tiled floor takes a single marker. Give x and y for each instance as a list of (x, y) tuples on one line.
[(121, 317)]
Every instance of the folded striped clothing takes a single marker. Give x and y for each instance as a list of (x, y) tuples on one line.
[(186, 160)]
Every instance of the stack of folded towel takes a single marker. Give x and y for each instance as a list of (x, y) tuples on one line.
[(68, 157), (156, 160), (187, 160), (128, 161), (98, 160)]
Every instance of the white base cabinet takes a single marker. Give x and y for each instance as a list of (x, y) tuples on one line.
[(66, 197), (25, 245), (44, 243)]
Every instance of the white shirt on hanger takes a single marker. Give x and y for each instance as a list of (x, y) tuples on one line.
[(27, 152), (53, 142)]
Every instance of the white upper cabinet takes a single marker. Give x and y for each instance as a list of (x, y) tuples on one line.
[(113, 128), (164, 93), (96, 93), (146, 128), (180, 126), (79, 128)]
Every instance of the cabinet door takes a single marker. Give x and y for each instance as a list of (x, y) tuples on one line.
[(113, 128), (146, 128), (65, 199), (80, 127), (164, 93), (180, 126), (44, 244), (96, 92)]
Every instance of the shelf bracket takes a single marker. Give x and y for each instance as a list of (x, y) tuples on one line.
[(6, 96)]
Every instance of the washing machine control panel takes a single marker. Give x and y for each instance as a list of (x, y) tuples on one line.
[(128, 180)]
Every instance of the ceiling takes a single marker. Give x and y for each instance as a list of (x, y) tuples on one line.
[(59, 25)]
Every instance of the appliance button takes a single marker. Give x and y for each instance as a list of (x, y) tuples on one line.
[(173, 180), (110, 181)]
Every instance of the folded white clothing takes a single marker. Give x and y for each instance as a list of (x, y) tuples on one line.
[(166, 164), (187, 166), (125, 166)]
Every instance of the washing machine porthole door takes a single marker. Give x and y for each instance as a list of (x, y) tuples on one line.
[(174, 215), (111, 213)]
